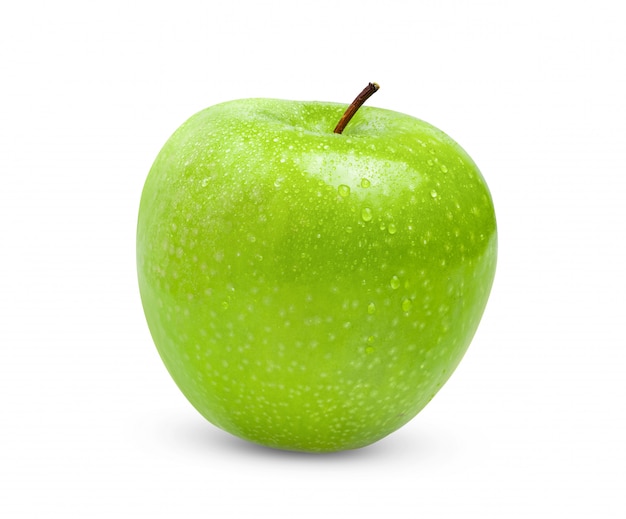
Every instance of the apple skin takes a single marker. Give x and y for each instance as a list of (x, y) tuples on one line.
[(307, 290)]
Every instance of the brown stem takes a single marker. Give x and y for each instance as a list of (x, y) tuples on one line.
[(356, 104)]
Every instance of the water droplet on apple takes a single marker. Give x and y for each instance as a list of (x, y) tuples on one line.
[(225, 305), (366, 214), (278, 182), (365, 183), (433, 193), (395, 282), (371, 308), (369, 350), (406, 305), (444, 168), (344, 190), (392, 228)]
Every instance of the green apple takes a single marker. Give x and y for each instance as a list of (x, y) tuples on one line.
[(307, 289)]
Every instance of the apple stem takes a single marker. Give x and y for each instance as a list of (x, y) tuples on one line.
[(356, 104)]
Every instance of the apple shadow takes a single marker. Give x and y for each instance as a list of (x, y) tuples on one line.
[(407, 443)]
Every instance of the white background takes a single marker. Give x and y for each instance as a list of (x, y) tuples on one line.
[(533, 422)]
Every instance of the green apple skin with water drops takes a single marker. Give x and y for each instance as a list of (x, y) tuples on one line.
[(310, 290)]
